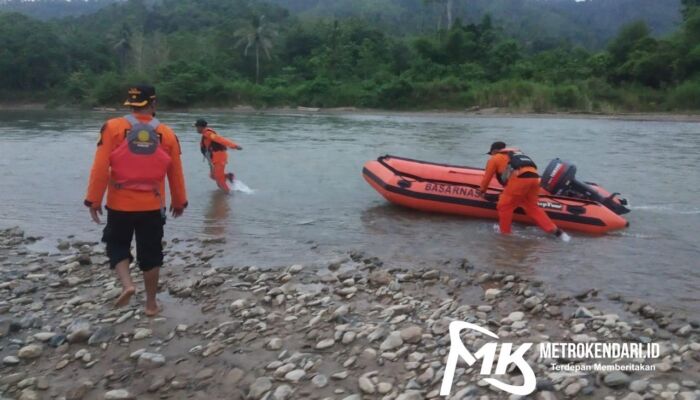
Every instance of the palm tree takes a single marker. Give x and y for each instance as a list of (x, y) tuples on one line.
[(123, 45), (257, 35), (448, 11)]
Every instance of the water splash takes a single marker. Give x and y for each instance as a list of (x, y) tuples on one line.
[(239, 186)]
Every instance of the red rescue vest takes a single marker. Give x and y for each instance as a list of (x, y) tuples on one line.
[(140, 162)]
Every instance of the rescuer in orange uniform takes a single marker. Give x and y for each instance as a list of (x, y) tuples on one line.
[(213, 148), (518, 174), (134, 155)]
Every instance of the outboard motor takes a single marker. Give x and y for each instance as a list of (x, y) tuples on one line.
[(559, 179)]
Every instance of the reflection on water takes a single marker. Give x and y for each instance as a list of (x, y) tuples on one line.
[(217, 215), (310, 202)]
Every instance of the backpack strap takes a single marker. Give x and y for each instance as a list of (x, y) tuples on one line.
[(154, 123), (131, 119)]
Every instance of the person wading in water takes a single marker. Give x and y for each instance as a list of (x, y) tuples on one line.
[(134, 155), (213, 148)]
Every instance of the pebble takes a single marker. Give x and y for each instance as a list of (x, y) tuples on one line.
[(392, 341), (274, 344), (348, 337), (516, 316), (30, 351), (150, 360), (142, 333), (572, 389), (103, 334), (78, 331), (44, 336), (639, 386), (261, 386), (119, 394), (412, 334), (491, 294), (28, 394), (295, 376), (325, 344), (366, 385), (10, 360), (319, 380), (283, 392), (616, 379), (633, 396)]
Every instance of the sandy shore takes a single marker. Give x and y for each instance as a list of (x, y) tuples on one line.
[(352, 328)]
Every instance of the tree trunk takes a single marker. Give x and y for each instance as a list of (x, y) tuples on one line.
[(257, 64), (448, 7)]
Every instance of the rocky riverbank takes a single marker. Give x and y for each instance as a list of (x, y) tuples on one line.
[(348, 329)]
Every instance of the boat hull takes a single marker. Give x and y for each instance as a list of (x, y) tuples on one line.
[(453, 189)]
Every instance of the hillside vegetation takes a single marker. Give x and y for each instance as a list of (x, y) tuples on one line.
[(216, 52)]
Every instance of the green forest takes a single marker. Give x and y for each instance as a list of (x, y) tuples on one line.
[(298, 53)]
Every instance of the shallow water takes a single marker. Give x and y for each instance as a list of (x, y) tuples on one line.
[(301, 196)]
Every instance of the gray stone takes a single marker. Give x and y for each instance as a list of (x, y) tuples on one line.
[(103, 334), (392, 341), (377, 334), (274, 344), (30, 351), (516, 316), (10, 360), (325, 344), (261, 386), (410, 395), (204, 374), (295, 375), (546, 396), (639, 386), (572, 389), (151, 360), (78, 331), (380, 278), (320, 381), (616, 379), (28, 394), (583, 312), (366, 385), (412, 334), (44, 336), (119, 394), (283, 392), (142, 333)]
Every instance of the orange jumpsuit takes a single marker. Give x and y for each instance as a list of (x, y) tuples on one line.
[(111, 136), (519, 191), (214, 147)]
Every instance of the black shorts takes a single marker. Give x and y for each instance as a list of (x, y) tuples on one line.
[(120, 229)]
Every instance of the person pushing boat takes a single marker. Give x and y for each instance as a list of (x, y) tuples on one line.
[(213, 148), (517, 173)]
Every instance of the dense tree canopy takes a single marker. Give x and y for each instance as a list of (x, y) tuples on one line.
[(214, 52)]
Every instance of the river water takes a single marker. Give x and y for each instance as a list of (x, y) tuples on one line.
[(309, 201)]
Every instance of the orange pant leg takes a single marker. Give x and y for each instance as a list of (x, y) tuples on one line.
[(506, 206), (534, 211), (522, 192), (218, 169)]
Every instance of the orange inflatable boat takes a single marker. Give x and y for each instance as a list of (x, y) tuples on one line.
[(421, 185)]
